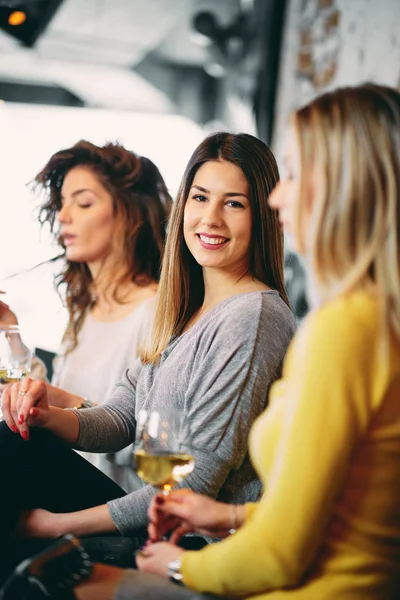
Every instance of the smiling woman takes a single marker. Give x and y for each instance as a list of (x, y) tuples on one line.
[(222, 327), (217, 222)]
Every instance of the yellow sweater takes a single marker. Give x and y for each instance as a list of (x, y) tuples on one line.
[(328, 452)]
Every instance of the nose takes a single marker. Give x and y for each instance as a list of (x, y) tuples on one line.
[(275, 198), (64, 214), (211, 216)]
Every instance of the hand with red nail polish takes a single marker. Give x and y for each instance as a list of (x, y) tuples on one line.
[(24, 404), (183, 511)]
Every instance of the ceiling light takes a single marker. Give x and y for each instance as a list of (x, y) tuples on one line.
[(17, 18)]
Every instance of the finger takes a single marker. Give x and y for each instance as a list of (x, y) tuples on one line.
[(152, 531), (177, 507), (153, 512), (18, 398), (177, 495), (159, 529), (37, 416), (180, 532), (6, 408), (31, 393), (14, 404)]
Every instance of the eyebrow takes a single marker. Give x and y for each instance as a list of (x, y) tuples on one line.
[(80, 191), (227, 194)]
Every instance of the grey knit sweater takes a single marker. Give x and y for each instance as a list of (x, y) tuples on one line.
[(218, 373)]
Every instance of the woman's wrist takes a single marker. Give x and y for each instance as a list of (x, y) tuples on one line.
[(63, 423), (236, 517), (61, 398)]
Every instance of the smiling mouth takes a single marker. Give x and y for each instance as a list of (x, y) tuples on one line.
[(212, 241)]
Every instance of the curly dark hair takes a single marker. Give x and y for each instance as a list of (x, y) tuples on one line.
[(141, 205)]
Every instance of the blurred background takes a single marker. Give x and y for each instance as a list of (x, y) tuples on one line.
[(157, 76)]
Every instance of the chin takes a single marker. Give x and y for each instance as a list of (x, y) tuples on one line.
[(74, 255)]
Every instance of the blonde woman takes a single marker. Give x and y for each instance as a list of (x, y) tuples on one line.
[(328, 447), (222, 328)]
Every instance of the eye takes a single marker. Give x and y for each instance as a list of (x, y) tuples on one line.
[(287, 173), (85, 205), (199, 198), (235, 204)]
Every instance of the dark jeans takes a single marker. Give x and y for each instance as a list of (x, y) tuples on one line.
[(46, 473)]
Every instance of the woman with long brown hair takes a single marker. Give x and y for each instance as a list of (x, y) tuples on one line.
[(221, 330), (107, 208)]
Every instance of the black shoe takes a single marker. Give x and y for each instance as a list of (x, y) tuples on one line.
[(51, 574)]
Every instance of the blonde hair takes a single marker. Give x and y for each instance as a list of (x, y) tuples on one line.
[(349, 145), (181, 289)]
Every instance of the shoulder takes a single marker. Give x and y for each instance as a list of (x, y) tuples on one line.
[(142, 315), (254, 317), (256, 305), (144, 309), (263, 312), (344, 327)]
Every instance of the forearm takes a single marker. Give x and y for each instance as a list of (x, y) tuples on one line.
[(86, 522), (63, 423)]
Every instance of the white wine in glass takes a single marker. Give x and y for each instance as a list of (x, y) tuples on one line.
[(162, 450), (15, 357)]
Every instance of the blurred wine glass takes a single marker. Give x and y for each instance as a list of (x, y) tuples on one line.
[(163, 448), (15, 357)]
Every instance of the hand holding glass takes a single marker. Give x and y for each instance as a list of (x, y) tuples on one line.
[(162, 450)]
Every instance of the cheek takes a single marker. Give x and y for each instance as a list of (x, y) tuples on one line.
[(283, 197), (190, 218), (106, 221)]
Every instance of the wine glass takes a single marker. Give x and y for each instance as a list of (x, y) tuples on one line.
[(15, 357), (162, 449)]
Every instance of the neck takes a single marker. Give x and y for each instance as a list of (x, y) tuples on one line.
[(106, 279), (221, 284)]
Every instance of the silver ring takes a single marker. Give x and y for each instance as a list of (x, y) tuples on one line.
[(22, 393)]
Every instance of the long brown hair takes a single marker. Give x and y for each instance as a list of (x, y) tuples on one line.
[(141, 204), (181, 289), (349, 140)]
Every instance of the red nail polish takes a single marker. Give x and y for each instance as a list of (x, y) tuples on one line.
[(14, 428), (20, 419), (25, 435), (159, 500), (33, 412)]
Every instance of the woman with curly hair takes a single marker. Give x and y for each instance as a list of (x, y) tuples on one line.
[(108, 209)]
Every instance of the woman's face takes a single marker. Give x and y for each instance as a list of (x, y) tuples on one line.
[(86, 217), (285, 196), (218, 218)]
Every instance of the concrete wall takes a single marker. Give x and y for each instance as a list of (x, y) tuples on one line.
[(331, 43)]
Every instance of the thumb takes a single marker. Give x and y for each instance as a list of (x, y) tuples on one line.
[(37, 416)]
